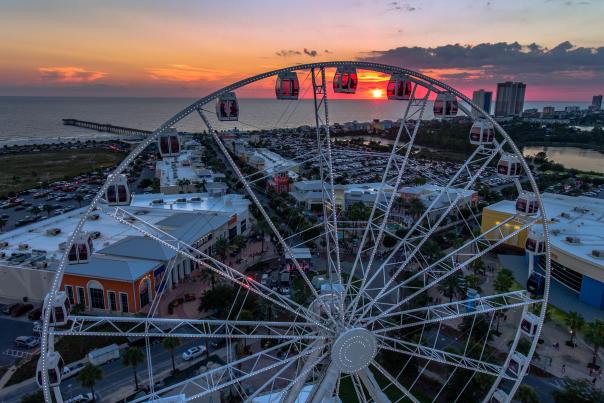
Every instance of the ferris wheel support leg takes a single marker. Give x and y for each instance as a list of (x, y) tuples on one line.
[(326, 387), (294, 392), (373, 387), (57, 392)]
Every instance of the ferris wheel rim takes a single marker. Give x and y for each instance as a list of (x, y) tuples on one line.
[(423, 80)]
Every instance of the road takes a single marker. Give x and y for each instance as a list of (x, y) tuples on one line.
[(115, 375)]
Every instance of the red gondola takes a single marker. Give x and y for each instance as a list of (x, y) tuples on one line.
[(227, 107), (287, 85), (399, 87), (346, 80)]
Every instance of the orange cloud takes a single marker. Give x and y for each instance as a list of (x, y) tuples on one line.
[(372, 76), (182, 72), (69, 74)]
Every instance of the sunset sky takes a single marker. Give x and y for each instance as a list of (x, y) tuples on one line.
[(188, 48)]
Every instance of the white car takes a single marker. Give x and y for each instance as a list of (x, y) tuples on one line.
[(193, 352), (27, 341), (86, 397)]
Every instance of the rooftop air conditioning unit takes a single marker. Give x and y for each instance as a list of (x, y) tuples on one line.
[(95, 234), (2, 255), (3, 244), (23, 246), (53, 231), (573, 239), (565, 215), (556, 232), (580, 209), (63, 246), (93, 217), (41, 264), (598, 253)]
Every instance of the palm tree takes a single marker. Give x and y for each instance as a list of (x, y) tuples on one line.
[(221, 247), (502, 284), (594, 334), (416, 208), (264, 228), (79, 198), (47, 208), (132, 357), (170, 344), (526, 394), (450, 286), (89, 376), (575, 323)]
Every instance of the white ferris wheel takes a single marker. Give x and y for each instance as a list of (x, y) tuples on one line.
[(375, 332)]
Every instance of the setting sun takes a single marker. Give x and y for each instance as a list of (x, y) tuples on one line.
[(377, 93)]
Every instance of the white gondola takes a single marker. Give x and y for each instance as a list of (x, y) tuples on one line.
[(345, 80), (517, 363), (227, 107), (526, 203), (509, 166), (60, 308), (445, 105), (118, 193), (80, 250), (287, 85), (54, 365), (399, 87), (535, 243), (529, 324), (499, 397), (169, 143), (482, 132)]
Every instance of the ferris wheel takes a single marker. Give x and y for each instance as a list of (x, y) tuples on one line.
[(379, 327)]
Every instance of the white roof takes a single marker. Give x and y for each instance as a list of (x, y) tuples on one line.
[(581, 217), (230, 203)]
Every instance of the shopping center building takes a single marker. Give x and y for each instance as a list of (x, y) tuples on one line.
[(576, 232)]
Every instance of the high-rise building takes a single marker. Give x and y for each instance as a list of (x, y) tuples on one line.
[(596, 102), (483, 99), (510, 99)]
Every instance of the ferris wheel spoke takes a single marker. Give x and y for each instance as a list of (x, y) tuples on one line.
[(441, 356), (232, 373), (438, 271), (283, 167), (372, 386), (291, 393), (426, 230), (195, 255), (186, 328), (385, 208), (324, 151), (457, 309), (394, 381), (261, 209)]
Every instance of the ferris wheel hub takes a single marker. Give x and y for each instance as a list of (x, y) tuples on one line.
[(353, 350)]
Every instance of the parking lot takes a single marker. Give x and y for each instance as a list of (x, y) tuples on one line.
[(11, 329)]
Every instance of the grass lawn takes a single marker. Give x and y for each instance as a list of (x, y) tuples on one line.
[(25, 171)]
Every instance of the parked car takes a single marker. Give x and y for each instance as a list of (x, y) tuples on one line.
[(86, 397), (35, 314), (193, 352), (20, 309), (27, 341), (71, 370), (217, 343)]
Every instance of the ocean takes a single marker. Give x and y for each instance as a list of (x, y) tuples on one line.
[(41, 117)]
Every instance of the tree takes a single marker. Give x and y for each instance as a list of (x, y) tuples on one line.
[(170, 344), (451, 286), (526, 394), (473, 281), (358, 212), (131, 358), (502, 284), (594, 334), (416, 208), (2, 224), (89, 376), (35, 397), (578, 391), (79, 198), (47, 208), (221, 247), (263, 227), (575, 323)]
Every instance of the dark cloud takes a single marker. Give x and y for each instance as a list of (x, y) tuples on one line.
[(311, 53), (287, 53), (400, 6), (502, 60)]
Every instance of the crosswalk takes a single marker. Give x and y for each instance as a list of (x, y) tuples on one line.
[(16, 353)]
